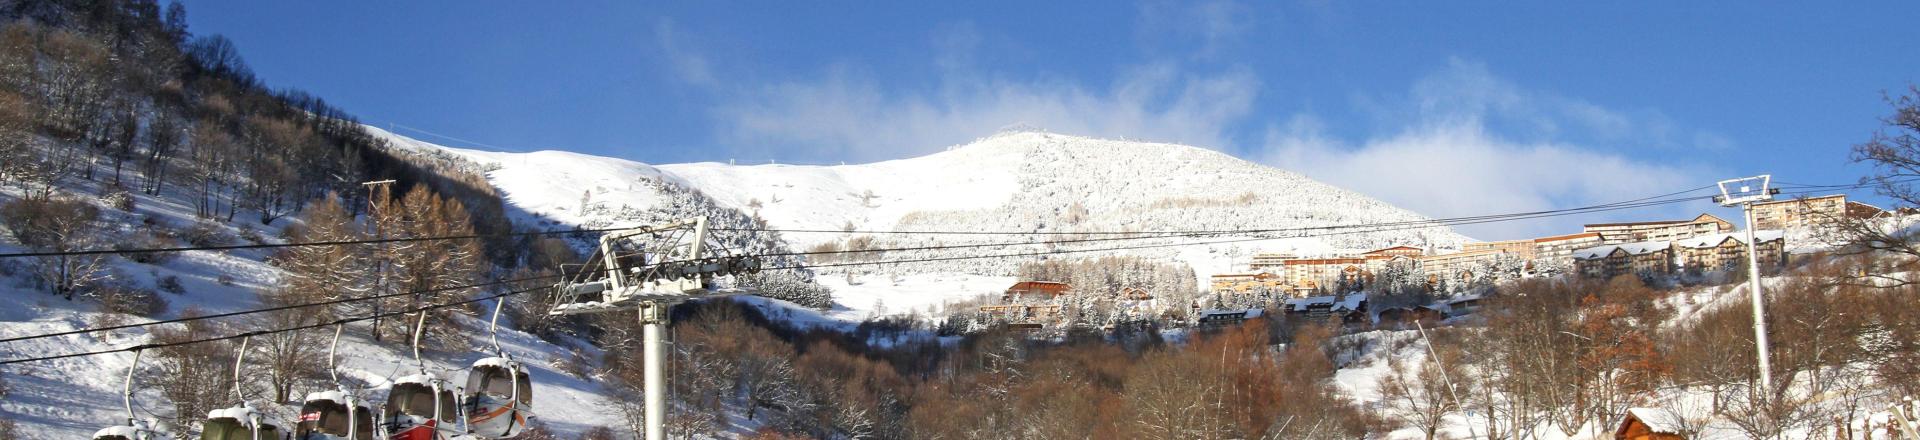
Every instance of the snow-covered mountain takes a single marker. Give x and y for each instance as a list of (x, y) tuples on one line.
[(1016, 181)]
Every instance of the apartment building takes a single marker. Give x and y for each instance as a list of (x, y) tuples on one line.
[(1808, 211), (1632, 232), (1608, 261), (1729, 251)]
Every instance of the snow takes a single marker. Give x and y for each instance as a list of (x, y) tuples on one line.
[(1712, 240)]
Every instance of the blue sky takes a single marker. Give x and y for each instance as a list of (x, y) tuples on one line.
[(1513, 106)]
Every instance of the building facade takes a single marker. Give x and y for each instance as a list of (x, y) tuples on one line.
[(1633, 232), (1729, 251), (1608, 261), (1558, 249), (1808, 211)]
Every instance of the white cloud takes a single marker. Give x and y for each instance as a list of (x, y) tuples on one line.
[(1445, 160), (689, 65), (845, 114)]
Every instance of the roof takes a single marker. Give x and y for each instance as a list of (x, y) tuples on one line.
[(1306, 261), (493, 362), (1352, 302), (1566, 237), (1659, 421), (1395, 248), (333, 395), (122, 431), (1649, 223), (1714, 240), (1640, 248), (242, 413), (1040, 286)]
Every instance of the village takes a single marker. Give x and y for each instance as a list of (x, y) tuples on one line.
[(1336, 287)]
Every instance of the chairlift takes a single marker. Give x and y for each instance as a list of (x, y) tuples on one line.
[(334, 415), (242, 421), (135, 429), (499, 391), (420, 406)]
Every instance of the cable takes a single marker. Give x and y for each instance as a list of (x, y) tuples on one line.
[(1374, 227), (268, 309), (268, 332), (1358, 228)]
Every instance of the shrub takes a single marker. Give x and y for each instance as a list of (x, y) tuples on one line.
[(251, 236), (130, 299), (118, 198), (598, 433), (170, 284), (203, 234), (147, 239)]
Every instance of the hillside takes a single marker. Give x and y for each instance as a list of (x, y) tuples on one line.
[(1020, 181)]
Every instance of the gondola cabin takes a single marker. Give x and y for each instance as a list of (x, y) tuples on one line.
[(238, 423), (499, 399), (420, 407), (129, 433), (334, 415)]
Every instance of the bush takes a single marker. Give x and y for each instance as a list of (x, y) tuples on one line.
[(598, 433), (226, 280), (203, 234), (170, 284), (147, 239), (251, 236), (118, 198), (129, 299)]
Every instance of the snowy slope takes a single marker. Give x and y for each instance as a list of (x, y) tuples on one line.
[(1020, 181)]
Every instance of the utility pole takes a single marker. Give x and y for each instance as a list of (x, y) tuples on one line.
[(1743, 192), (377, 191)]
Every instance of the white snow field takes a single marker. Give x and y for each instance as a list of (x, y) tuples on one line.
[(1028, 182)]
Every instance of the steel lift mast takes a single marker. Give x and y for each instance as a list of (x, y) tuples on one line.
[(649, 269)]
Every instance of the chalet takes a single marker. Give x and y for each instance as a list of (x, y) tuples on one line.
[(1026, 291), (1394, 316), (1320, 308), (1649, 424), (1603, 262), (1727, 251), (1223, 318), (1808, 211), (1464, 304), (1619, 233)]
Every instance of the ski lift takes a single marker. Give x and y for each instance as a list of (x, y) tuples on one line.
[(664, 263), (135, 429), (420, 406), (334, 415), (499, 391), (242, 421)]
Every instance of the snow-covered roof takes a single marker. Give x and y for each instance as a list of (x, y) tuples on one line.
[(1712, 240), (1640, 248), (499, 362), (1657, 420), (421, 379), (242, 413), (1351, 302), (1250, 313), (122, 431), (333, 395)]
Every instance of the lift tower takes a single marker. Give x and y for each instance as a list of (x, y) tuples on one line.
[(649, 269)]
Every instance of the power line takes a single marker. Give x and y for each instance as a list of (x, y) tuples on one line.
[(1334, 230), (267, 332), (270, 309)]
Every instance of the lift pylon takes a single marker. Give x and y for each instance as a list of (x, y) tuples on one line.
[(651, 268)]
